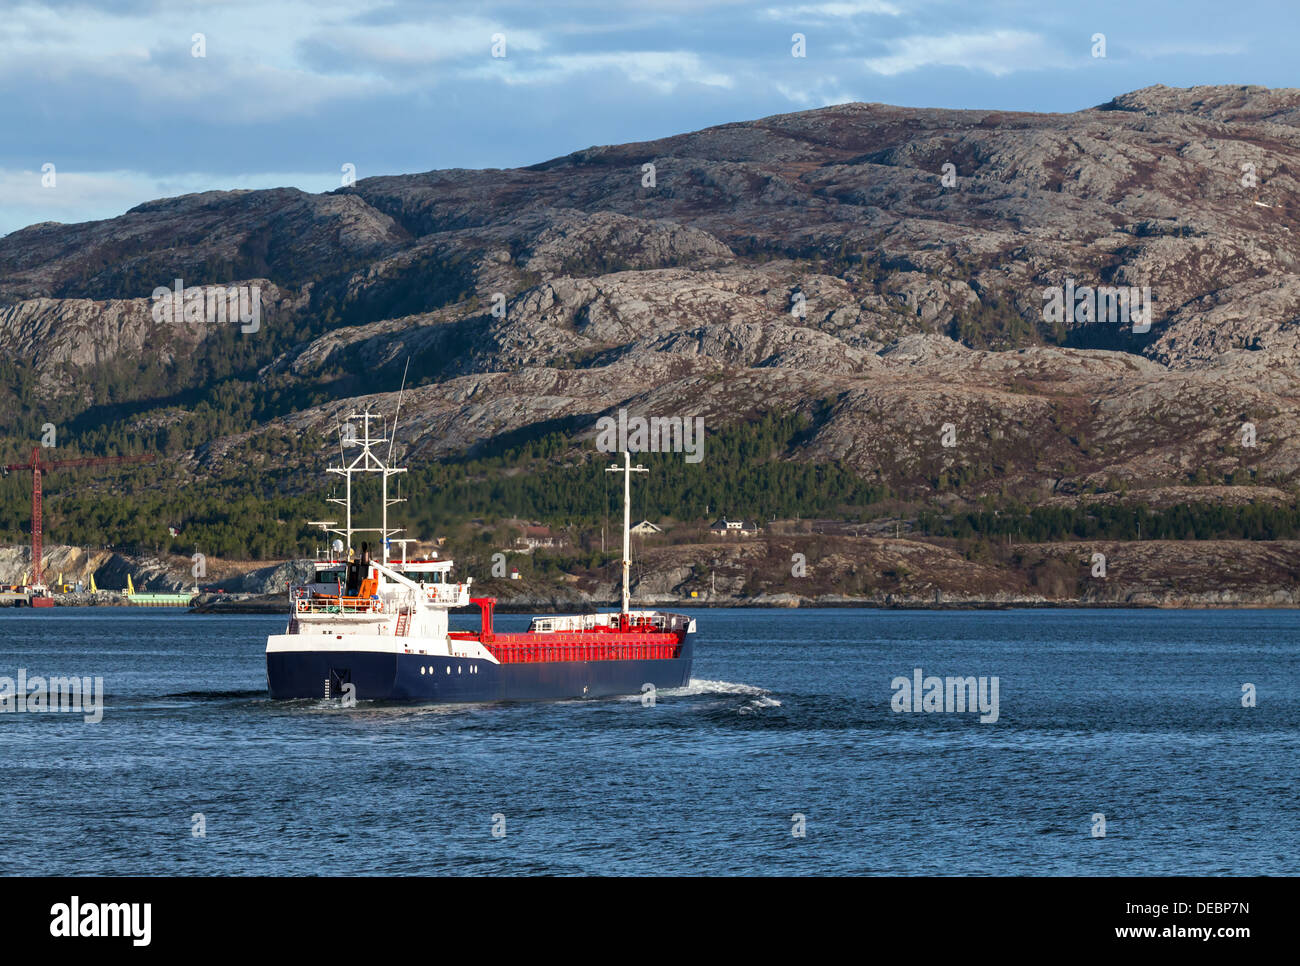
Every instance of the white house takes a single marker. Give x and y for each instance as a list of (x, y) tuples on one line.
[(539, 536), (735, 528)]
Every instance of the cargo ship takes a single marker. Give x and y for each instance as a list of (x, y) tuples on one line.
[(377, 627)]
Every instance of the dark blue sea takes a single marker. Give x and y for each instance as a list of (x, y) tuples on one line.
[(1136, 716)]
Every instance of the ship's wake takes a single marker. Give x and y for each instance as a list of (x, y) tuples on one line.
[(757, 698)]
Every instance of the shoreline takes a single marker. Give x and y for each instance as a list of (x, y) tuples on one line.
[(276, 605)]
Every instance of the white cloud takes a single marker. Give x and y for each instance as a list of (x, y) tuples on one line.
[(996, 52), (263, 61), (823, 94), (425, 44), (832, 10), (660, 70)]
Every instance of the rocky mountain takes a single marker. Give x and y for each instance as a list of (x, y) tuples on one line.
[(883, 270)]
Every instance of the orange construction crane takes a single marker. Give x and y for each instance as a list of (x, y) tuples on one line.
[(37, 466)]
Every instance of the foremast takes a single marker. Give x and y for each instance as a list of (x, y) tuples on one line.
[(365, 461)]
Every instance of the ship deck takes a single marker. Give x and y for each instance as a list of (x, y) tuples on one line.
[(529, 647)]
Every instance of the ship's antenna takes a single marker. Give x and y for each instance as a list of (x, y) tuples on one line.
[(393, 439)]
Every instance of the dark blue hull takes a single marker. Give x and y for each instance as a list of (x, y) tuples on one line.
[(379, 676)]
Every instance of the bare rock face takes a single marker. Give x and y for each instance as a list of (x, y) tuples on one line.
[(274, 579), (754, 345), (1225, 103), (576, 240), (73, 563), (60, 338), (59, 334), (1229, 326)]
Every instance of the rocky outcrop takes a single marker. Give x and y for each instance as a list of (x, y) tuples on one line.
[(150, 571), (275, 579)]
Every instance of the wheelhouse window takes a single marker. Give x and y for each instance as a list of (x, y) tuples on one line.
[(423, 576)]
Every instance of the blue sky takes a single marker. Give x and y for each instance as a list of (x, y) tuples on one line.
[(289, 92)]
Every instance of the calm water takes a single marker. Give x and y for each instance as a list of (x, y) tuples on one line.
[(1133, 714)]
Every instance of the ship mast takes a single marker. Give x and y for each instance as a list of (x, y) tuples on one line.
[(627, 469), (365, 462)]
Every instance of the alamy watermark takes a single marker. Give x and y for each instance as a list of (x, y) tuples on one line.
[(76, 919), (212, 305), (1104, 303), (658, 434), (951, 695), (57, 693)]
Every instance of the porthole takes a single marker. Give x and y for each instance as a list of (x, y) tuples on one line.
[(458, 668), (448, 668), (422, 671)]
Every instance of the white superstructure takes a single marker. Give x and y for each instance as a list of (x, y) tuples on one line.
[(354, 602)]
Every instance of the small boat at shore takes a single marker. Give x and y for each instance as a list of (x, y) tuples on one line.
[(138, 598), (378, 628)]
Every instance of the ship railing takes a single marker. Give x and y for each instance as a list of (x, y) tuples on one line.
[(450, 595), (575, 622), (638, 620), (401, 603), (672, 622), (656, 622), (306, 603)]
